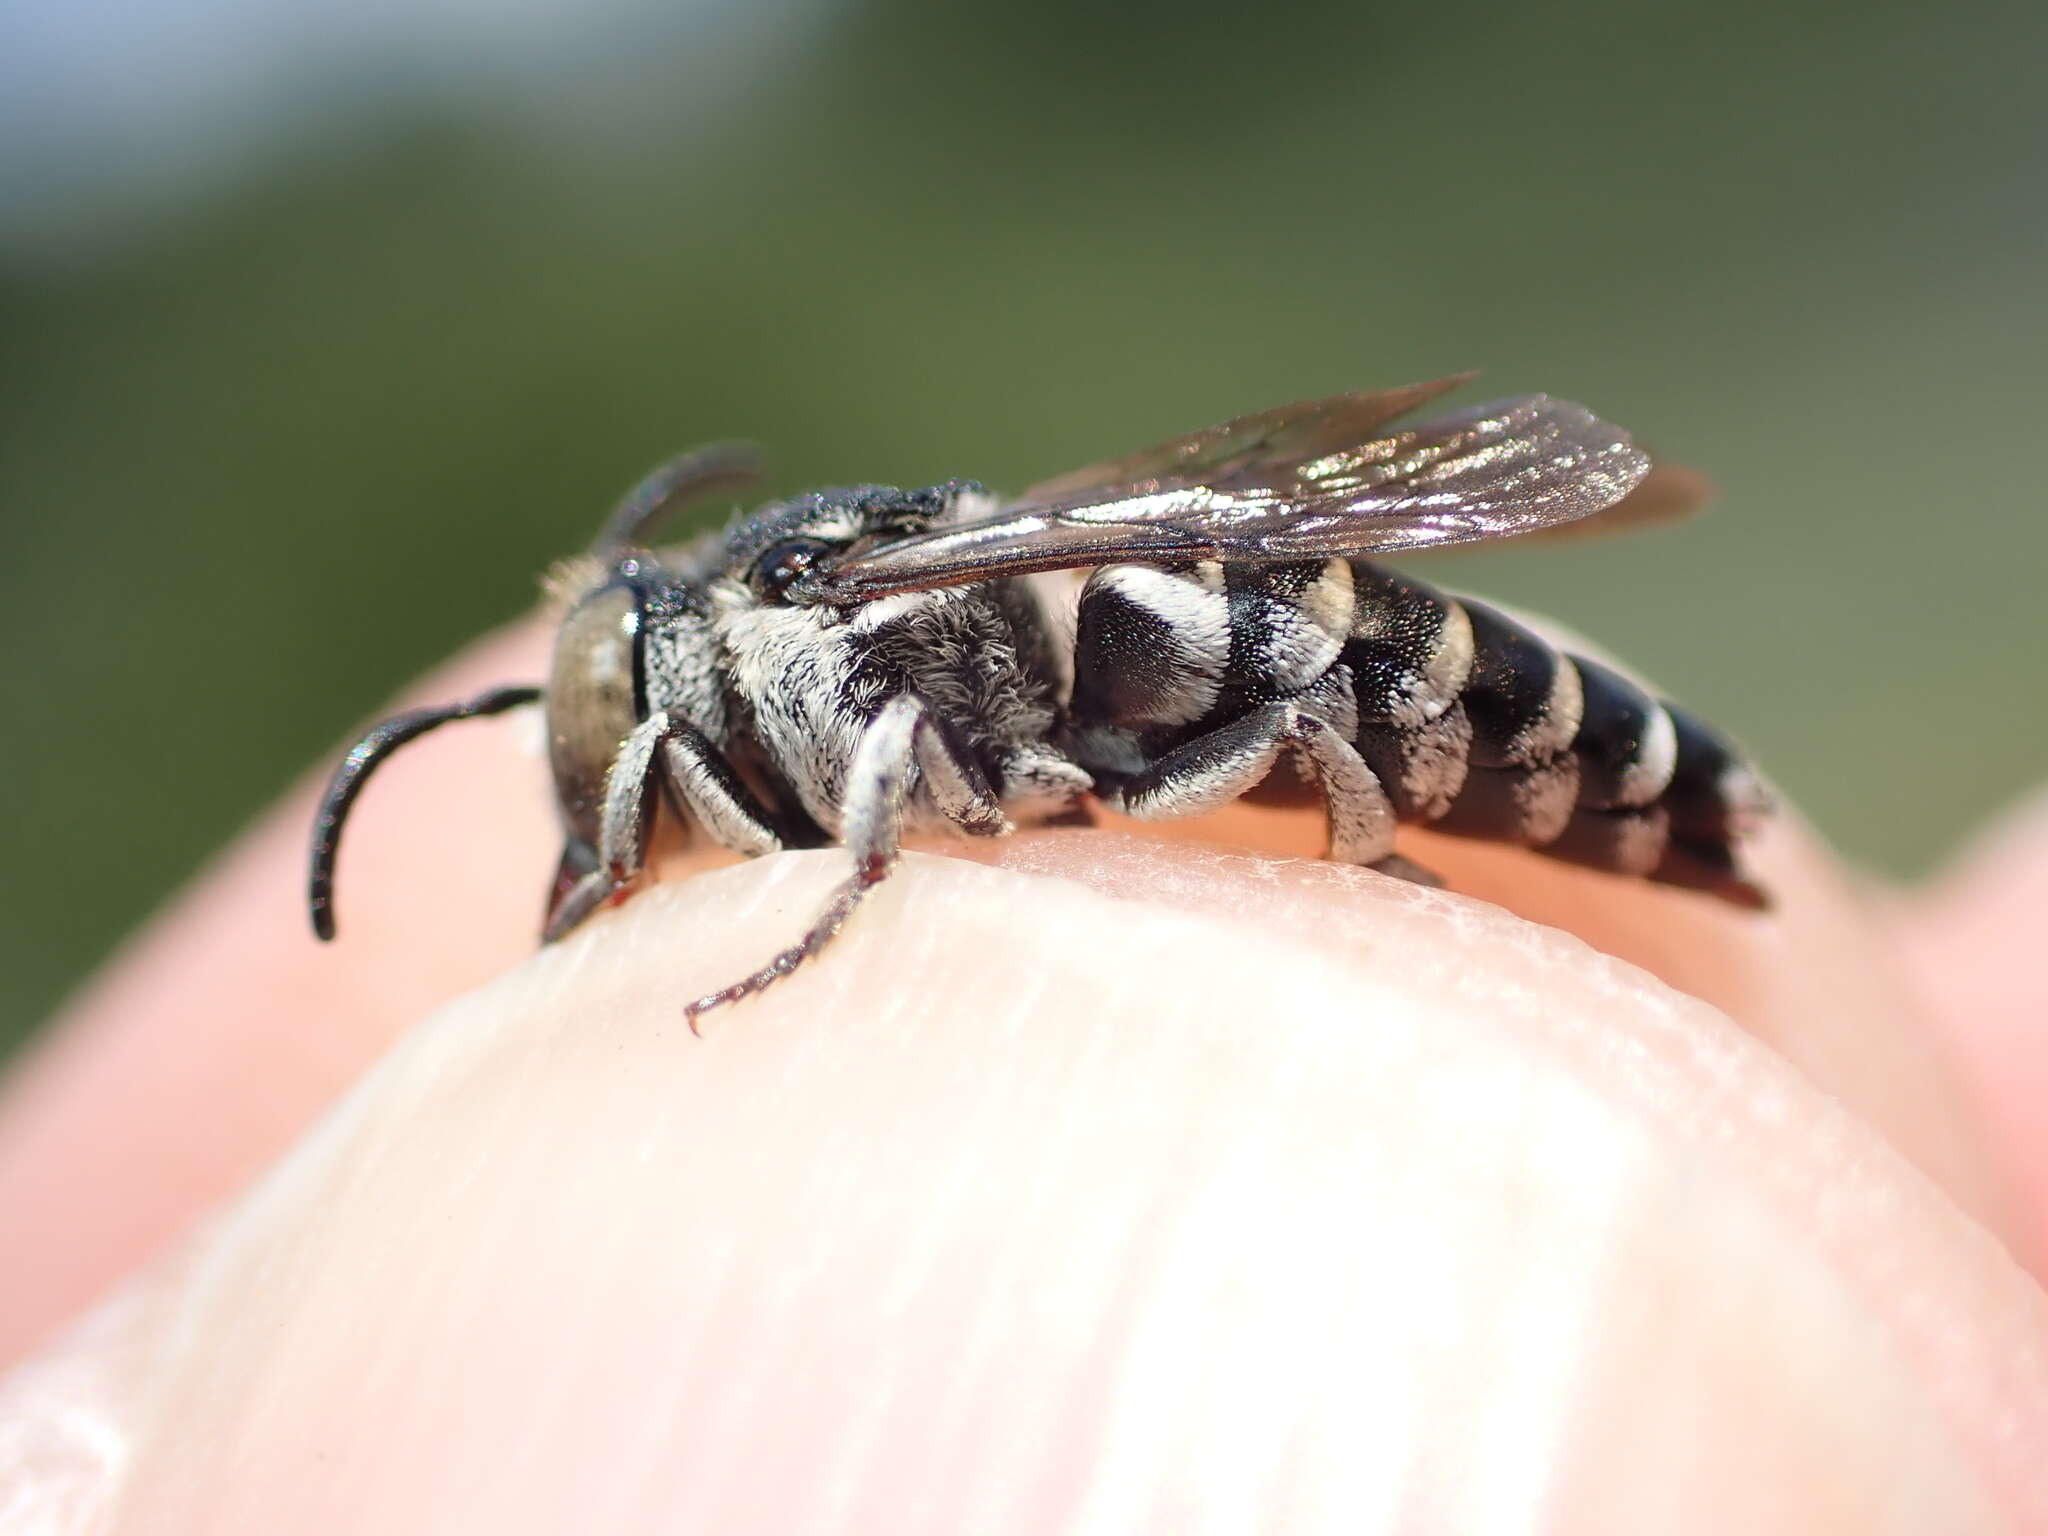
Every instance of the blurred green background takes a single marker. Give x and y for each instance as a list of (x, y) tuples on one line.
[(297, 396)]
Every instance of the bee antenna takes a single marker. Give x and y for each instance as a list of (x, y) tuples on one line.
[(680, 480), (378, 743)]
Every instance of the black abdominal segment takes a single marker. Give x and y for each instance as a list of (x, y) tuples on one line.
[(1471, 723)]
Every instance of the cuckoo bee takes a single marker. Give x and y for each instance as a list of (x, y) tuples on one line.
[(856, 663)]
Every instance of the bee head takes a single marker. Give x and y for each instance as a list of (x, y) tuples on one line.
[(596, 691)]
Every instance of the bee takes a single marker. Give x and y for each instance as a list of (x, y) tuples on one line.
[(1155, 634)]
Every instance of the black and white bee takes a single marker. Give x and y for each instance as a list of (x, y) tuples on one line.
[(855, 663)]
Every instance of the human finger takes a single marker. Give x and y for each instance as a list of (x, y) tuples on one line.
[(1124, 1184)]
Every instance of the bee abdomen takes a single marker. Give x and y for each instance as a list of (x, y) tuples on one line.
[(1525, 703), (1714, 801), (1470, 721), (1627, 743), (1662, 796), (1524, 697), (1713, 795), (1559, 753)]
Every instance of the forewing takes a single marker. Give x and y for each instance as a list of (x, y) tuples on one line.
[(1299, 431), (1287, 490), (1669, 493)]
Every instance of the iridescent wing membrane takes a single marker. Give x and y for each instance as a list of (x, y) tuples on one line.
[(1304, 481)]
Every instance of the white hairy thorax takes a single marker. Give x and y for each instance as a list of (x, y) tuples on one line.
[(811, 678)]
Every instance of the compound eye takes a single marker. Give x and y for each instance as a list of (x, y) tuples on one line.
[(782, 563), (593, 699)]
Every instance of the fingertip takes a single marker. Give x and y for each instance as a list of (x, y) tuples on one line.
[(1971, 943), (1818, 978), (222, 1029), (1112, 1179)]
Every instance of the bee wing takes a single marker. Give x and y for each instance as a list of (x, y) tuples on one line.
[(1300, 482), (1669, 493), (1298, 431)]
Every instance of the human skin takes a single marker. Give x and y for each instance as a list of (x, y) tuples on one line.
[(1102, 1183)]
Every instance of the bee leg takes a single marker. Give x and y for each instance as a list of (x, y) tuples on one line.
[(576, 891), (1079, 814), (1407, 869), (703, 784), (957, 786), (905, 739), (1211, 771)]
